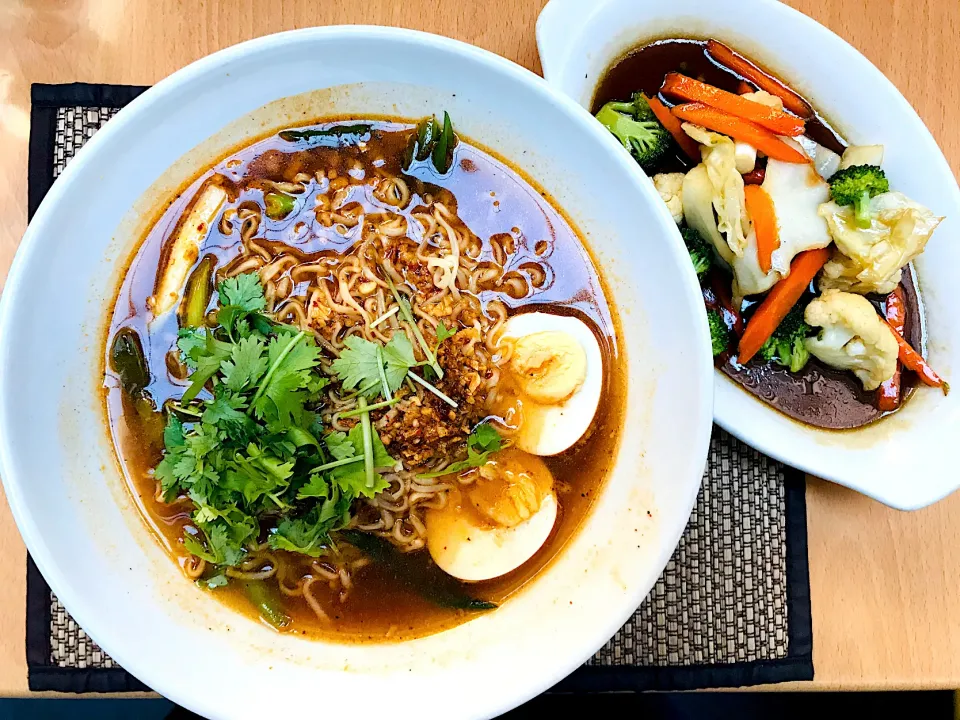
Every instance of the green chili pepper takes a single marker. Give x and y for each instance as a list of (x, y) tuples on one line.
[(129, 363), (416, 572), (267, 602), (196, 296)]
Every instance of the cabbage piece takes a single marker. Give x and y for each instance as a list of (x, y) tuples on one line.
[(797, 192), (697, 196), (719, 158), (825, 160), (870, 260), (862, 155), (853, 337)]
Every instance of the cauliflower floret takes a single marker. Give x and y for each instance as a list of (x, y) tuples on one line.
[(764, 98), (719, 159), (870, 259), (745, 156), (853, 337), (669, 186)]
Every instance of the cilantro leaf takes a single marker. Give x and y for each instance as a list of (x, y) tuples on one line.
[(340, 447), (167, 478), (398, 358), (173, 432), (358, 366), (243, 291), (310, 534), (255, 473), (482, 443), (246, 364), (352, 479), (280, 395), (316, 487), (225, 413), (241, 305), (222, 547), (484, 439), (204, 354), (443, 332), (217, 581)]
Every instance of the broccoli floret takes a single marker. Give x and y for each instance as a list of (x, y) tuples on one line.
[(701, 255), (855, 186), (786, 346), (637, 129), (719, 332)]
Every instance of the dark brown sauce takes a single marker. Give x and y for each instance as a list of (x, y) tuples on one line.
[(823, 396), (644, 68), (818, 395), (492, 199)]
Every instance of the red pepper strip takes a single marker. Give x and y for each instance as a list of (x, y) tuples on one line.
[(912, 360), (888, 395), (755, 176)]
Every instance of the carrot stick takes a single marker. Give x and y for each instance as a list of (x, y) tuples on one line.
[(888, 395), (744, 88), (912, 360), (690, 90), (744, 68), (721, 291), (739, 129), (764, 216), (779, 301), (686, 143), (755, 176)]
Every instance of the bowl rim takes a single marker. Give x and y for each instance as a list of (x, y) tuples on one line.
[(71, 594), (736, 411)]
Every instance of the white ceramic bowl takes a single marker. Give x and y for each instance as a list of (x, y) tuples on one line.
[(908, 460), (58, 467)]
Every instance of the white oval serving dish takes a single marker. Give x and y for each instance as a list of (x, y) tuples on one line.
[(907, 460)]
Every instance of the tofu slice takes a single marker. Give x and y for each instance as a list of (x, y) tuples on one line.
[(185, 249)]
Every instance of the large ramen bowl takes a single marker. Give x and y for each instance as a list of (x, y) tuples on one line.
[(58, 464)]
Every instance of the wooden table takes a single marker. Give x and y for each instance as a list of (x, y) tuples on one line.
[(884, 583)]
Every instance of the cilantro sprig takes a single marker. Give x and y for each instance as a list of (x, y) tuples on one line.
[(483, 441), (245, 442)]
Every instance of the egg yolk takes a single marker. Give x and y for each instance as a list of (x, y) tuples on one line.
[(510, 487), (549, 366)]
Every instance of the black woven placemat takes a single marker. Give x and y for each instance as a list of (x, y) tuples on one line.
[(732, 607)]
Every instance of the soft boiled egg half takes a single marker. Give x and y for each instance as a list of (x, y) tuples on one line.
[(496, 519), (499, 515), (557, 372)]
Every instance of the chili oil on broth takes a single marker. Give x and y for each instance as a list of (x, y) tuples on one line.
[(817, 396), (513, 221)]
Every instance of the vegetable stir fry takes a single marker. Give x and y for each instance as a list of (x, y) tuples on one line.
[(799, 242)]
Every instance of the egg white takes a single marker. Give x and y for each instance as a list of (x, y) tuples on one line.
[(551, 429), (465, 548)]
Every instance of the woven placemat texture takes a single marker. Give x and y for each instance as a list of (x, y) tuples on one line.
[(733, 596)]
